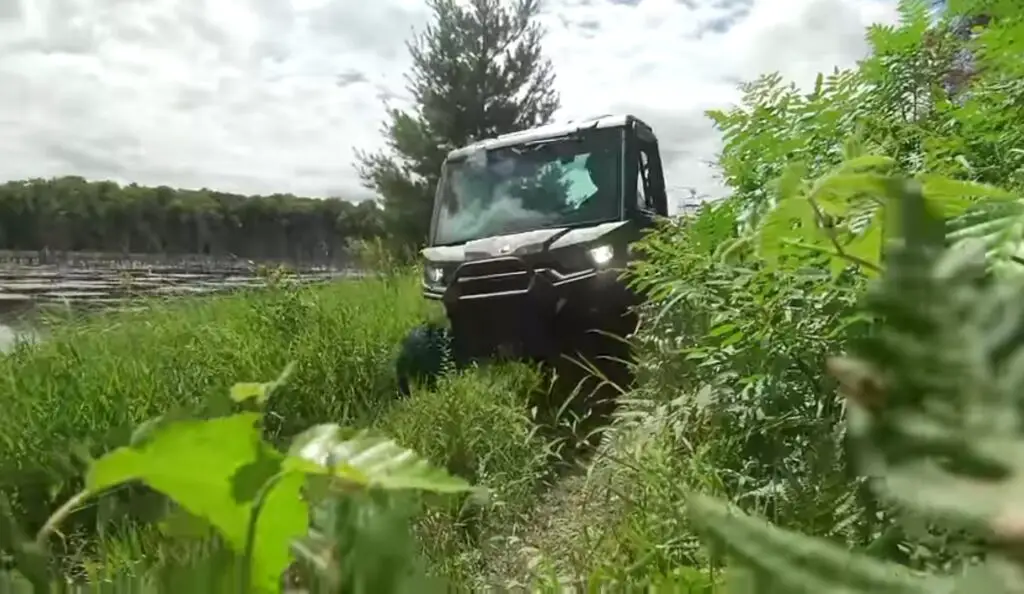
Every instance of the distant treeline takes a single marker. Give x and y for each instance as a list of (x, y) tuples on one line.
[(72, 214)]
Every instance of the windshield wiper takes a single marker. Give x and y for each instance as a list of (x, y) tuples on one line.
[(539, 145)]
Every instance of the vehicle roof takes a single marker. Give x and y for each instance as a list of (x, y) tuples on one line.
[(546, 131)]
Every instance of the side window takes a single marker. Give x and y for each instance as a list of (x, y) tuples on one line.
[(644, 197)]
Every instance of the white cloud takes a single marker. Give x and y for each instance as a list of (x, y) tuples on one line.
[(261, 96), (669, 60)]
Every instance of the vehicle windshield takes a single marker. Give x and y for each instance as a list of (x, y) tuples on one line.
[(514, 189)]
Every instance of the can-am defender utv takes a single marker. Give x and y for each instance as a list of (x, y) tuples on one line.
[(529, 235)]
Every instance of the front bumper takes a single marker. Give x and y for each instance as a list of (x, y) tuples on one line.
[(500, 279), (505, 306)]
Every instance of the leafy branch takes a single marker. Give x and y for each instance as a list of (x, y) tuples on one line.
[(934, 418)]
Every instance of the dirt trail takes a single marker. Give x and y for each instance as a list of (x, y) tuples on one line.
[(561, 534)]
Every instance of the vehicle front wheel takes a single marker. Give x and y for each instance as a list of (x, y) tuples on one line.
[(424, 356)]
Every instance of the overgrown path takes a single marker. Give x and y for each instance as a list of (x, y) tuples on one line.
[(551, 532), (558, 534)]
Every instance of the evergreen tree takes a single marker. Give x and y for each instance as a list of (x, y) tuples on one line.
[(478, 71)]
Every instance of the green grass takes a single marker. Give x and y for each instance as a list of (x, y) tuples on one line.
[(93, 380), (617, 519), (479, 426)]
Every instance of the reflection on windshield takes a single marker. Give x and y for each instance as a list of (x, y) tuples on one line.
[(511, 190)]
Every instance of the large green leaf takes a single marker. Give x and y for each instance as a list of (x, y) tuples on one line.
[(792, 219), (953, 197), (368, 460), (215, 469), (998, 225)]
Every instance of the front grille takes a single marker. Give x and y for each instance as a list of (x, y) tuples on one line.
[(500, 304), (488, 277)]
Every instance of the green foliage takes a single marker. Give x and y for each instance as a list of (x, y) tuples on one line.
[(874, 230), (477, 72), (752, 295), (933, 403), (222, 469), (89, 382), (261, 500), (381, 257), (194, 462), (478, 426)]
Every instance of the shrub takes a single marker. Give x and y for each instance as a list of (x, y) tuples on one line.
[(332, 501)]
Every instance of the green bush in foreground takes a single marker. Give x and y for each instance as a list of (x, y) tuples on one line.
[(934, 399), (327, 501), (481, 429)]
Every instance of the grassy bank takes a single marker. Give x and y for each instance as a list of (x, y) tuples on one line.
[(93, 380), (89, 385)]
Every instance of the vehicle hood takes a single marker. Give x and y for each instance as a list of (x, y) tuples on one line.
[(518, 244)]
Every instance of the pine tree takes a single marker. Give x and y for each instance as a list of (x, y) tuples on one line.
[(478, 71)]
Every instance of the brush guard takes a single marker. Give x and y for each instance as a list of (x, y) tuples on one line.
[(502, 307)]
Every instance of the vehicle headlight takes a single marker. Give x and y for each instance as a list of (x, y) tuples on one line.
[(433, 274), (602, 254)]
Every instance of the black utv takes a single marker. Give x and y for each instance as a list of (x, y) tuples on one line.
[(529, 235)]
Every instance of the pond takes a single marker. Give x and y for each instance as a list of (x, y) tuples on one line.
[(25, 287)]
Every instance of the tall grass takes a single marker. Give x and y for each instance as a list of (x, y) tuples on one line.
[(479, 425), (91, 381)]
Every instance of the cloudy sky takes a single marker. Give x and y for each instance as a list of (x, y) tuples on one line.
[(261, 96)]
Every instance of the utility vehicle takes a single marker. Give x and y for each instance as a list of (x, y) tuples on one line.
[(529, 234)]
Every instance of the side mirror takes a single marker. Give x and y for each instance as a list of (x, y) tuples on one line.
[(645, 218)]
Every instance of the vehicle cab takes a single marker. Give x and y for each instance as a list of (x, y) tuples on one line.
[(563, 199)]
